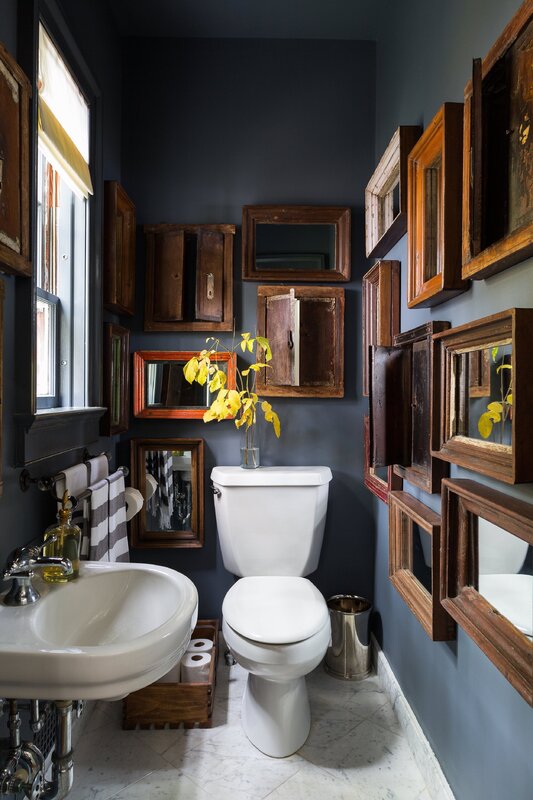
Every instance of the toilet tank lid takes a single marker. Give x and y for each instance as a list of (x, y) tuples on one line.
[(271, 476)]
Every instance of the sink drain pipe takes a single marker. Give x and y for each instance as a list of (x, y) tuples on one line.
[(62, 762)]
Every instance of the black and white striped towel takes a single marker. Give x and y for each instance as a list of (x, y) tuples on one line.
[(118, 529), (99, 521)]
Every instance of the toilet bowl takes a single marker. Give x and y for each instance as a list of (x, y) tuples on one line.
[(278, 629)]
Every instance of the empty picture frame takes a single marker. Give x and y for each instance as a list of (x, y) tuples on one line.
[(487, 575), (161, 391), (15, 93), (381, 310), (497, 171), (490, 434), (116, 380), (386, 194), (434, 211), (382, 480), (415, 562)]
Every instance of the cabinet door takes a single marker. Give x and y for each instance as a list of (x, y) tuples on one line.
[(390, 406), (119, 250), (166, 266), (210, 276), (283, 336)]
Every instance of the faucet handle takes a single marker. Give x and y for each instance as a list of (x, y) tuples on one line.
[(21, 560)]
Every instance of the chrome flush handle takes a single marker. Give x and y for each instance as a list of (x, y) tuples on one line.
[(216, 491)]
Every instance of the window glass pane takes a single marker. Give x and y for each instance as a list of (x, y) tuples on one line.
[(46, 321)]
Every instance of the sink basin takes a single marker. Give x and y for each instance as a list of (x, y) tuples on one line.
[(116, 628)]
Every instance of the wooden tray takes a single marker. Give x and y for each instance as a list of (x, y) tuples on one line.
[(174, 704)]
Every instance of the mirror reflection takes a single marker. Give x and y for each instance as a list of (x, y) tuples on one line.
[(505, 580), (421, 556), (432, 192), (169, 477), (166, 387), (381, 473), (306, 248)]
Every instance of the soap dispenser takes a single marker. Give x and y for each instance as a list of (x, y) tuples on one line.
[(65, 545)]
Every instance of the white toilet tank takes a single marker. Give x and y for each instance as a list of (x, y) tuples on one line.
[(271, 520)]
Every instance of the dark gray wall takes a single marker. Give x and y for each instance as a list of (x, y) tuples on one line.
[(478, 725), (211, 125)]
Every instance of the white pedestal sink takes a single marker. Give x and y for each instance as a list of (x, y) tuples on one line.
[(113, 630)]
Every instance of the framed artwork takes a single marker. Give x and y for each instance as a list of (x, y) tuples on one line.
[(379, 480), (386, 194), (116, 380), (487, 575), (15, 93), (381, 310), (160, 390)]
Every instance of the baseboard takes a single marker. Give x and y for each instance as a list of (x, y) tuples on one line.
[(426, 760)]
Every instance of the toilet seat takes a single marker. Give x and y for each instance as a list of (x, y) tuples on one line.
[(277, 610)]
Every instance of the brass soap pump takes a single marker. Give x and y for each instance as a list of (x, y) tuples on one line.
[(65, 545)]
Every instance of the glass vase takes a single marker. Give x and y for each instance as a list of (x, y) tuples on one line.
[(250, 447)]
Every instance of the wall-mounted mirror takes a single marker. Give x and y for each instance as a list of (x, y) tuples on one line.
[(170, 475), (161, 391), (296, 243)]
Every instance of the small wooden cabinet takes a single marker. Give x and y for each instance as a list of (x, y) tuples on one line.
[(119, 250), (189, 277)]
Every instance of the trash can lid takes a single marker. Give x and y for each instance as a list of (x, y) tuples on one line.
[(275, 609)]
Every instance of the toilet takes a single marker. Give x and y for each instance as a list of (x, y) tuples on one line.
[(275, 622)]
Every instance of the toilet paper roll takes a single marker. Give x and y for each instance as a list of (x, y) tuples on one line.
[(150, 485), (134, 502), (195, 667), (200, 646)]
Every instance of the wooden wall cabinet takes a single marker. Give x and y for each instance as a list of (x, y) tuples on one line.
[(487, 535), (381, 482), (434, 211), (381, 310), (116, 380), (386, 194), (119, 250), (404, 406), (415, 562), (189, 277), (497, 166), (305, 329)]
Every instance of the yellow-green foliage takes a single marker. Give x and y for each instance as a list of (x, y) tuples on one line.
[(497, 411)]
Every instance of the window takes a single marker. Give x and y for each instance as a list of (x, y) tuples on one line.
[(64, 192)]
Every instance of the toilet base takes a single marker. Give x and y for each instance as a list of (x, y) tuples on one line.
[(275, 715)]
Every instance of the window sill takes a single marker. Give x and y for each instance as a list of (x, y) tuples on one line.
[(53, 431)]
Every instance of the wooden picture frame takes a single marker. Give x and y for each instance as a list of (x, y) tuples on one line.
[(336, 217), (408, 568), (196, 256), (119, 250), (405, 392), (434, 211), (372, 481), (15, 94), (458, 443), (497, 171), (174, 383), (464, 502), (386, 194), (305, 328), (159, 510), (116, 380), (2, 297), (381, 310)]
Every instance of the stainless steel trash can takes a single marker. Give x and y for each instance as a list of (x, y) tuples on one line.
[(348, 656)]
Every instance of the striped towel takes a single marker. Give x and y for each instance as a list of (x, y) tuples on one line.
[(99, 521), (118, 529), (75, 480), (98, 468)]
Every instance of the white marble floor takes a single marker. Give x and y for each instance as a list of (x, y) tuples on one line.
[(355, 751)]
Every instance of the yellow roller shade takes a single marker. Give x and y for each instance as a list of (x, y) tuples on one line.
[(63, 149)]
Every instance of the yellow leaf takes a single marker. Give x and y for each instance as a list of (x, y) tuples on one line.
[(245, 372), (218, 381), (266, 406), (245, 336), (190, 370), (503, 366), (261, 340), (484, 426), (209, 415), (509, 398), (202, 374), (243, 346), (233, 401), (276, 424), (495, 407), (250, 344), (494, 352)]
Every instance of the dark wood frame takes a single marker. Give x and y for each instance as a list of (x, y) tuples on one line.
[(340, 216), (516, 245), (404, 510), (227, 322), (511, 464), (119, 250), (194, 538), (462, 502), (107, 427), (381, 310), (443, 138), (377, 486), (335, 295), (2, 297), (382, 228), (142, 356), (15, 256)]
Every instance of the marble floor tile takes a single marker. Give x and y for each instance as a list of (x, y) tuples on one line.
[(169, 785)]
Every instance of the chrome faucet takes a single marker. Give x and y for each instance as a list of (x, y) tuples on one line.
[(20, 566)]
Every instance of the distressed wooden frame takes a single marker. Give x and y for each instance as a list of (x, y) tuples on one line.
[(339, 216), (381, 310), (383, 228), (404, 511), (193, 538), (372, 481), (509, 463), (14, 168), (463, 501), (516, 245), (440, 143), (116, 382), (141, 357), (119, 250)]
